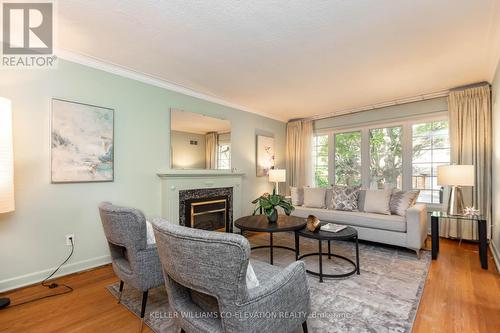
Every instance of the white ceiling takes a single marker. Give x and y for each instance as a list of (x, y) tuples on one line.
[(190, 122), (292, 58)]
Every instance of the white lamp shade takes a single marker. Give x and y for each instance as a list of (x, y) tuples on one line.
[(455, 175), (277, 175), (6, 158)]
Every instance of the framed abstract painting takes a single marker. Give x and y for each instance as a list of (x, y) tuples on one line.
[(265, 155), (82, 143)]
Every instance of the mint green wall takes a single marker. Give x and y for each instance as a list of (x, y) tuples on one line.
[(495, 235), (32, 239)]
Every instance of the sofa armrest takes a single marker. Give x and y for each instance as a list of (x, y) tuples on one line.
[(416, 226)]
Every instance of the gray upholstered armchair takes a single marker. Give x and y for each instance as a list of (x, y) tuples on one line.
[(134, 261), (205, 276)]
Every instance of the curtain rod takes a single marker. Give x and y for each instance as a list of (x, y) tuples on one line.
[(472, 85), (422, 97)]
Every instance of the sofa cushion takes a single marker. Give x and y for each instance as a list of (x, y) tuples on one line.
[(377, 201), (345, 198), (314, 197), (297, 195), (360, 219), (402, 200)]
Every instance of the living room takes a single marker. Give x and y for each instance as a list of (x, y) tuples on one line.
[(259, 166)]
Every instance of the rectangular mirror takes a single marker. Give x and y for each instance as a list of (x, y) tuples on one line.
[(199, 142)]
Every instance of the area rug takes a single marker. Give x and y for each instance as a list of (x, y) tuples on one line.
[(383, 298)]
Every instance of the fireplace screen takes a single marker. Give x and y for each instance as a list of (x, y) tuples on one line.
[(207, 208), (209, 215)]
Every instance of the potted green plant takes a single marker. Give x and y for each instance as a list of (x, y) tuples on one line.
[(267, 204)]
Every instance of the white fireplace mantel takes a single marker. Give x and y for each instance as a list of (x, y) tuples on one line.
[(173, 181), (198, 173)]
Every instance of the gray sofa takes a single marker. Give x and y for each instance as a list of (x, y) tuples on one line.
[(408, 231)]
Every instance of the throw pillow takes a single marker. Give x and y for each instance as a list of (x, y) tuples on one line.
[(345, 198), (329, 198), (150, 235), (378, 201), (297, 195), (402, 200), (361, 200), (314, 197), (251, 278)]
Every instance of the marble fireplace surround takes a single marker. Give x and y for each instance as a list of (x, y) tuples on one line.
[(203, 194), (173, 181)]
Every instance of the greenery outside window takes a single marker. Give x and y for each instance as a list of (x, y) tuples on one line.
[(348, 158), (386, 157)]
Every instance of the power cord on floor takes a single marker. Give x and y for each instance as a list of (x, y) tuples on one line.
[(53, 285)]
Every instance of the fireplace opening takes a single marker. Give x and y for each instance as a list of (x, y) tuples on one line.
[(209, 214), (208, 209)]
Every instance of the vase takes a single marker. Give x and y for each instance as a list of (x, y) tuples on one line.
[(273, 217)]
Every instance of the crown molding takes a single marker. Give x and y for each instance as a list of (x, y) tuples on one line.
[(126, 72)]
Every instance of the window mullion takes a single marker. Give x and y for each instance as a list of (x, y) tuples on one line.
[(407, 148), (365, 158), (331, 158)]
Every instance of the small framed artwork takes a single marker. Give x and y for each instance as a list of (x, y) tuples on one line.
[(82, 143), (265, 155)]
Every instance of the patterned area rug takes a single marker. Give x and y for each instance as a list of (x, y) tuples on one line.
[(384, 298)]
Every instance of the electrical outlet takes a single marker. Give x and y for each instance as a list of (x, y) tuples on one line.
[(70, 237)]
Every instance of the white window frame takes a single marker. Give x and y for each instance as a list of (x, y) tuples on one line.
[(313, 159), (423, 121), (407, 146)]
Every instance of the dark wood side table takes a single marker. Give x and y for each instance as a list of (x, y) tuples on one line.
[(259, 223), (348, 233), (481, 222)]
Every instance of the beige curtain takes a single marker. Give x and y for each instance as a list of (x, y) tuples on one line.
[(211, 150), (470, 139), (299, 135)]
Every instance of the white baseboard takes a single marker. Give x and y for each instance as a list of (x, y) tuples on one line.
[(36, 277), (496, 254)]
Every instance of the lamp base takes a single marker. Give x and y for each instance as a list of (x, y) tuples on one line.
[(4, 302), (456, 202)]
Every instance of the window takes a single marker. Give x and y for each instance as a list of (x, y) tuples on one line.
[(320, 160), (348, 158), (431, 148), (386, 167), (224, 156), (224, 151), (403, 155)]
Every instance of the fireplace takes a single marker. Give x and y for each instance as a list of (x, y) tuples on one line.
[(208, 209)]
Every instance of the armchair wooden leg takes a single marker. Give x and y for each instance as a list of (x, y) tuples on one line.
[(143, 307), (121, 292), (304, 327)]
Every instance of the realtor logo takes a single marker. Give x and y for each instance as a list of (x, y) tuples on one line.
[(27, 34)]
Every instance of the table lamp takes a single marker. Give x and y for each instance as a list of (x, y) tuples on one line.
[(277, 176), (455, 176), (6, 166)]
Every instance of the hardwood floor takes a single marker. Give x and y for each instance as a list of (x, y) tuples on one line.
[(458, 297)]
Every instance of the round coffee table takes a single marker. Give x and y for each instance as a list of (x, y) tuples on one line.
[(259, 223), (349, 233)]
